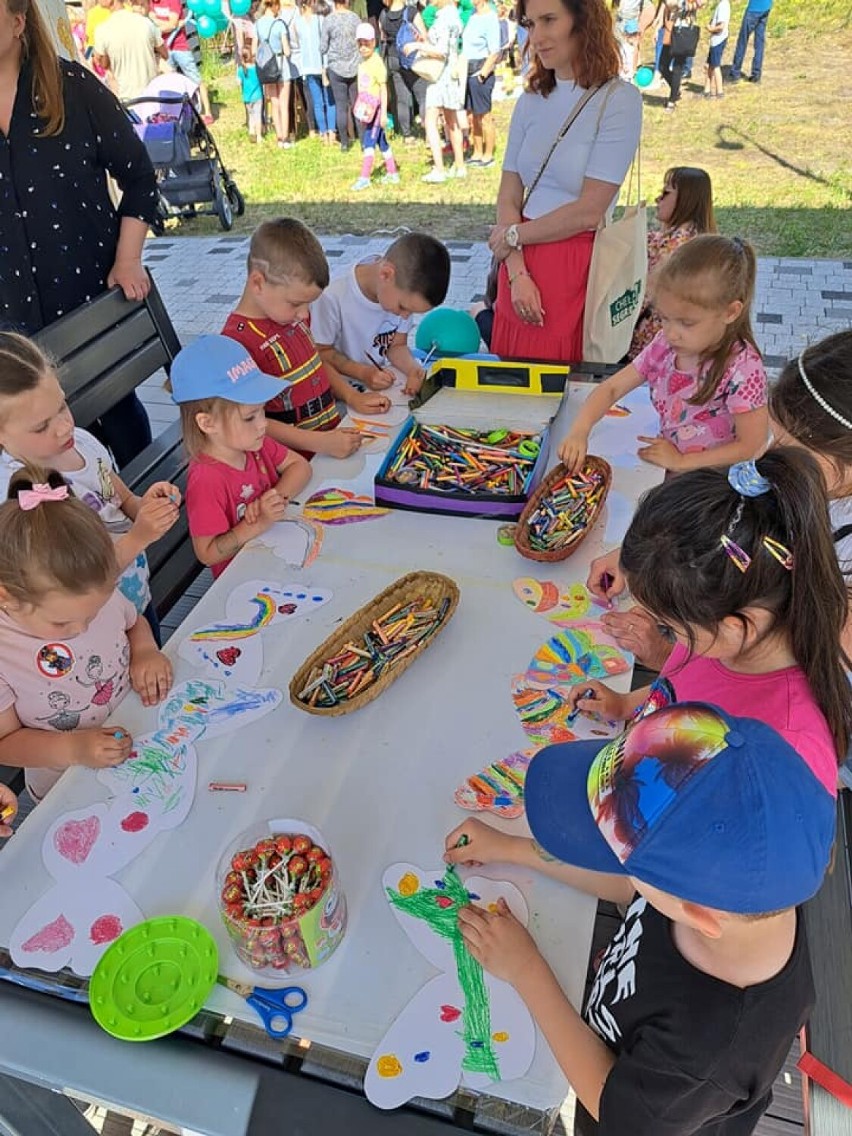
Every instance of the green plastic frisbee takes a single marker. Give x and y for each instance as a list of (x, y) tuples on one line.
[(154, 978)]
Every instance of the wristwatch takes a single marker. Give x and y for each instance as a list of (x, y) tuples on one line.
[(513, 237)]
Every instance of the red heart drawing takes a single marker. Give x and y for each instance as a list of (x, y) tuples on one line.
[(450, 1013), (288, 609), (51, 938), (228, 655), (74, 839)]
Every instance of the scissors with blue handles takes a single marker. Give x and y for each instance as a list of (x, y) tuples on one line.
[(275, 1008)]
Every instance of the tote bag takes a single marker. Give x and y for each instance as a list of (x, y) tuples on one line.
[(617, 275)]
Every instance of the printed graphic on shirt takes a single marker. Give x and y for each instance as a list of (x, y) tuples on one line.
[(103, 685), (384, 337), (55, 660), (61, 717), (616, 977)]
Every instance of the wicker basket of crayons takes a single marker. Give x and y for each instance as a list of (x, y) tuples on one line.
[(562, 511), (372, 648)]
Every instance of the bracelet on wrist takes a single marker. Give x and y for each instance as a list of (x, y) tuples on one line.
[(514, 276)]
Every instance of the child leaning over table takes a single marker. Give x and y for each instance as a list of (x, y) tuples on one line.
[(71, 645), (361, 321), (240, 479), (287, 271), (711, 830)]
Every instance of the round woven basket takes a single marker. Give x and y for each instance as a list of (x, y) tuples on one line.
[(429, 586), (522, 530)]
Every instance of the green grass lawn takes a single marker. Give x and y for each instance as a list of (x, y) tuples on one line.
[(779, 153)]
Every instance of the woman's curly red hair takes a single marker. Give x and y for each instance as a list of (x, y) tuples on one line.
[(596, 58)]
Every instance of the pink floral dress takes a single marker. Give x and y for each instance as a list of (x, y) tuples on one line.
[(661, 244)]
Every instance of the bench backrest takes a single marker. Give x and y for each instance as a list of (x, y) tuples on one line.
[(106, 348)]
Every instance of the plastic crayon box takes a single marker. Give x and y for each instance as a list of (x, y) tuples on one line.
[(462, 471)]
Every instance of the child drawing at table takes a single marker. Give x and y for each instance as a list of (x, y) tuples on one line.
[(740, 564), (703, 370), (710, 832), (287, 271), (240, 479), (362, 320), (61, 615), (36, 426), (684, 211)]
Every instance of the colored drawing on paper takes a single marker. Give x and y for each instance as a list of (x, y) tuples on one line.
[(618, 411), (341, 507), (548, 718), (561, 604), (74, 922), (265, 605), (499, 788), (463, 1025), (295, 540), (573, 655)]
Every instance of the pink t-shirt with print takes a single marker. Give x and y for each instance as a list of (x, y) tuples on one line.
[(694, 429), (66, 683), (782, 699)]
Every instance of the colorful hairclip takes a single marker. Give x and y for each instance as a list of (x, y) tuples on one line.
[(779, 551), (736, 554), (32, 498), (744, 478)]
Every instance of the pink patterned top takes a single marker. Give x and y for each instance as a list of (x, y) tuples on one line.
[(661, 244), (696, 428)]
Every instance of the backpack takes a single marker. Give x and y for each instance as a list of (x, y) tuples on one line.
[(266, 61), (407, 34)]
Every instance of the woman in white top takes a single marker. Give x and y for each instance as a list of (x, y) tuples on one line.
[(541, 289), (446, 95)]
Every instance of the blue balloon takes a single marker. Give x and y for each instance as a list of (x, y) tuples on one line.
[(240, 7), (212, 8), (449, 331), (644, 77), (196, 7), (207, 27)]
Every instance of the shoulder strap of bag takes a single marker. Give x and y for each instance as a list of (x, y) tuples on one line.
[(563, 130)]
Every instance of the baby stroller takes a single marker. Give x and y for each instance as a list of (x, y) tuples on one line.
[(190, 170)]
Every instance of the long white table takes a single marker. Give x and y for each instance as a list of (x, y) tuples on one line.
[(379, 782)]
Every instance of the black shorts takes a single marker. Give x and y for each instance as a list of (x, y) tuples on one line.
[(479, 94)]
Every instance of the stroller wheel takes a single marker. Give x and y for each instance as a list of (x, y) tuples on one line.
[(238, 202), (223, 209)]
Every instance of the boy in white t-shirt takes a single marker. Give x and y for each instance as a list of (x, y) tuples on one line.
[(718, 28), (361, 321)]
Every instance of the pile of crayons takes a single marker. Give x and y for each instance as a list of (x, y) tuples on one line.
[(390, 639), (447, 459), (566, 510)]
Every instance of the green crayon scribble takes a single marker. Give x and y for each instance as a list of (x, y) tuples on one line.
[(443, 919)]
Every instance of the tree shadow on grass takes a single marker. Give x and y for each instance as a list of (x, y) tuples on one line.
[(731, 138)]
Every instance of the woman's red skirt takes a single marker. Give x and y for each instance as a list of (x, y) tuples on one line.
[(560, 271)]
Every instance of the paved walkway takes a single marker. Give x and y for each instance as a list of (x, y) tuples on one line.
[(200, 279)]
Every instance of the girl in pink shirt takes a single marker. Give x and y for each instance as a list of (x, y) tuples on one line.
[(740, 565), (703, 370), (71, 646)]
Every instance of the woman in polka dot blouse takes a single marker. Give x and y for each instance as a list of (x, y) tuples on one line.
[(62, 242)]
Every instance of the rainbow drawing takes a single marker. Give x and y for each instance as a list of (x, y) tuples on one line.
[(265, 612)]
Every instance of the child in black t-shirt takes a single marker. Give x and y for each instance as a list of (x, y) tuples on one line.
[(711, 830)]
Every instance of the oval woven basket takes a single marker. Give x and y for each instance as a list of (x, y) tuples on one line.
[(576, 538), (429, 586)]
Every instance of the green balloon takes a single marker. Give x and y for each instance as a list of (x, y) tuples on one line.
[(449, 331)]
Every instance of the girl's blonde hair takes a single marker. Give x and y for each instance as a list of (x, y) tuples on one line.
[(194, 438), (58, 545), (712, 272), (22, 366), (694, 198), (37, 47)]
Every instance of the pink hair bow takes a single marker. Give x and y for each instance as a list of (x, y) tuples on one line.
[(31, 498)]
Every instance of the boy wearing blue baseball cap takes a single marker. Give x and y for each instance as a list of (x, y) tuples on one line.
[(239, 480), (711, 830)]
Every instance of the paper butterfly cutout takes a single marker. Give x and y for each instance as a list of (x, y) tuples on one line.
[(294, 540), (233, 650), (341, 507), (463, 1026), (499, 788), (548, 718), (77, 919), (573, 655), (560, 604)]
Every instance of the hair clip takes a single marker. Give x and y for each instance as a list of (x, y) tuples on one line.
[(780, 551), (744, 478), (32, 498), (735, 554), (817, 397)]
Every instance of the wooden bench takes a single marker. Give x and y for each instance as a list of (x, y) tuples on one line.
[(104, 351)]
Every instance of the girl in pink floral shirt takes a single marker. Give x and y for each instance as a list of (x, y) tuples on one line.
[(704, 372), (684, 210)]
